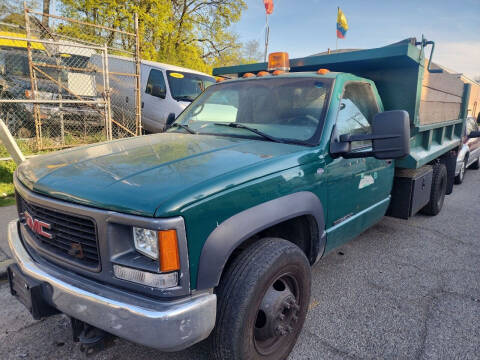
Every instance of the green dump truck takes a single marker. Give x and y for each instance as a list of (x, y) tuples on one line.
[(210, 229)]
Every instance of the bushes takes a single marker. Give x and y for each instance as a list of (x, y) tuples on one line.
[(6, 183)]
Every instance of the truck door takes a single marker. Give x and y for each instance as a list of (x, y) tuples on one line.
[(153, 101), (357, 189)]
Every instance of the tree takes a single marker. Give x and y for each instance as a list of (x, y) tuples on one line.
[(12, 12), (191, 33), (46, 10), (251, 52)]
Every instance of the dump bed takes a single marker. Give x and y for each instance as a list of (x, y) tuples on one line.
[(436, 100)]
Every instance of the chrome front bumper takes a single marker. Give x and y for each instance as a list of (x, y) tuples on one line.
[(167, 326)]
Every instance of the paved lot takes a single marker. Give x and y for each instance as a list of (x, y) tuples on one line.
[(402, 290)]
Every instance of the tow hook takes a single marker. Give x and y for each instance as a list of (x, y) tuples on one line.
[(92, 340)]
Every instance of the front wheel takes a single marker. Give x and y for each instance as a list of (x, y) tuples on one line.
[(461, 175), (262, 302), (475, 165)]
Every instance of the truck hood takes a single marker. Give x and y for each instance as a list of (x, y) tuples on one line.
[(138, 175)]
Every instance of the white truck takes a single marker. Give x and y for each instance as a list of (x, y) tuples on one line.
[(165, 89)]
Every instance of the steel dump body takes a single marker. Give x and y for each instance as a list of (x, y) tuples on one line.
[(436, 102)]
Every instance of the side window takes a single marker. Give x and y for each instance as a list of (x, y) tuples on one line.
[(357, 109), (156, 84)]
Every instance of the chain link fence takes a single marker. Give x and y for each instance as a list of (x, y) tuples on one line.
[(55, 88)]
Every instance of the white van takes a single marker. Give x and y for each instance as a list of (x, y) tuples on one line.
[(165, 89)]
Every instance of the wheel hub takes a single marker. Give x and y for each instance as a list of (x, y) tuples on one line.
[(278, 312)]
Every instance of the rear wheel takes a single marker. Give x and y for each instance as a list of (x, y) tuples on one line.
[(262, 302), (439, 189), (461, 175)]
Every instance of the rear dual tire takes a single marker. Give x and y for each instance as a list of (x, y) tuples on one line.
[(263, 300), (438, 191)]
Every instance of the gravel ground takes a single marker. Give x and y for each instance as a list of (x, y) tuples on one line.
[(402, 290)]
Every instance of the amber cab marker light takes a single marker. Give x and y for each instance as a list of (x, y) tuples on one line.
[(278, 61), (168, 250), (323, 71), (248, 75), (263, 73), (278, 72)]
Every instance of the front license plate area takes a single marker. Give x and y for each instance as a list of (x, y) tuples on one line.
[(29, 292)]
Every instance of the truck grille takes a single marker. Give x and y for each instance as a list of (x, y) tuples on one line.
[(61, 235)]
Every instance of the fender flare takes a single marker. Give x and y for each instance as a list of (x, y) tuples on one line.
[(235, 230)]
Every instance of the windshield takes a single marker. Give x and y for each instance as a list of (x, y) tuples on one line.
[(186, 86), (283, 108)]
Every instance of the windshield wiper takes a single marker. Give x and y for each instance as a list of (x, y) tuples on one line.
[(256, 131), (184, 98), (185, 127)]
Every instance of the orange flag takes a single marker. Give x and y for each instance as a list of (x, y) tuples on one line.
[(268, 6)]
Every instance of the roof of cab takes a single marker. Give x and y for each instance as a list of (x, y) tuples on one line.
[(306, 74)]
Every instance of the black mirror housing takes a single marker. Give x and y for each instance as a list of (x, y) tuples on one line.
[(391, 131), (170, 120), (390, 138)]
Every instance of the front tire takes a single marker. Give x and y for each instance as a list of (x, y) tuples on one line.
[(475, 165), (461, 175), (263, 300)]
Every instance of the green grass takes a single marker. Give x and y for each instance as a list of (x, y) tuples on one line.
[(7, 192)]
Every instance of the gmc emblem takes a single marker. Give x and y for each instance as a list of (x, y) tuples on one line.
[(37, 226)]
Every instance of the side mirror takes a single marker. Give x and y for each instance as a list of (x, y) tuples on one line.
[(390, 138), (474, 134), (170, 120), (158, 91)]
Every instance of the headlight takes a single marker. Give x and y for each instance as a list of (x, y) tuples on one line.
[(159, 245), (146, 242)]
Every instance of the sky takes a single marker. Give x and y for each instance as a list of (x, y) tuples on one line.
[(306, 27)]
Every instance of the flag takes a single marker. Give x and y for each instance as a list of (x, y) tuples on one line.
[(268, 6), (342, 25)]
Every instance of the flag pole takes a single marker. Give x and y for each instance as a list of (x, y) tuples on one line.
[(336, 35), (267, 34)]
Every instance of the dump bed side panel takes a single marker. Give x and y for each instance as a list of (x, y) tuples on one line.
[(441, 97)]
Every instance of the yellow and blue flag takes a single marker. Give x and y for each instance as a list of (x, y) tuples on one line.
[(342, 25)]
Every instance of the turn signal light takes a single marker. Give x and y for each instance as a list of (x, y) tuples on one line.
[(278, 72), (168, 250), (248, 75), (263, 73), (278, 61)]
